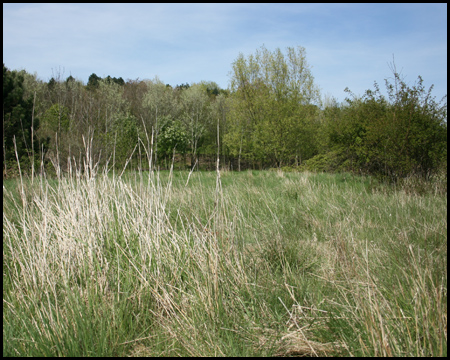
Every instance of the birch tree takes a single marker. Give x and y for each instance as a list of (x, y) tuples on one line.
[(273, 92), (195, 115), (160, 102)]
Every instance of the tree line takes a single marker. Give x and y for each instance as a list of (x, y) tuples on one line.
[(272, 115)]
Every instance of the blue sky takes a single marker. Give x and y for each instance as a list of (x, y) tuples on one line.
[(347, 45)]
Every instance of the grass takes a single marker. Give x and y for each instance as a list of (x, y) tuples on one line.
[(256, 263)]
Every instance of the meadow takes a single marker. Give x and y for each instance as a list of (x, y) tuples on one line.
[(251, 263)]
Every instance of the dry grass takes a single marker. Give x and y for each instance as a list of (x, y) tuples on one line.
[(156, 265)]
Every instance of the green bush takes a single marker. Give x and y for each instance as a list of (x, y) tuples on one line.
[(332, 161)]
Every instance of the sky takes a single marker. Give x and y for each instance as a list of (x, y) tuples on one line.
[(347, 45)]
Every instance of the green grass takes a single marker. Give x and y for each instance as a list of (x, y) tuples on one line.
[(254, 263)]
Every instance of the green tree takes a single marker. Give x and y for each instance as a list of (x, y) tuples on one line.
[(172, 139), (19, 122), (121, 138), (134, 93), (110, 102), (274, 93), (182, 86), (238, 137), (410, 136), (51, 84), (248, 110), (54, 128), (82, 106), (196, 114), (93, 82), (70, 78), (211, 88), (56, 119), (392, 137), (161, 106), (219, 108), (114, 80)]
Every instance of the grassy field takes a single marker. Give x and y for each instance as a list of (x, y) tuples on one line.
[(256, 263)]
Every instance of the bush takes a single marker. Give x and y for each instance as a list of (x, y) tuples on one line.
[(332, 161), (392, 138)]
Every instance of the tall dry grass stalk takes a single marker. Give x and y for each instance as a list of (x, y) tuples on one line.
[(93, 235), (133, 264)]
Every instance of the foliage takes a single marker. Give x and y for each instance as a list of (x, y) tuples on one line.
[(332, 161), (392, 137), (122, 137), (118, 81), (271, 109), (55, 119), (93, 81), (19, 123), (172, 139), (271, 116), (70, 78), (196, 116)]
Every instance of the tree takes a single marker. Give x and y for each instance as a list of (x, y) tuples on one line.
[(410, 136), (93, 82), (195, 116), (172, 139), (134, 92), (211, 88), (182, 87), (18, 122), (273, 93), (219, 107), (395, 137), (70, 79), (161, 107), (121, 137), (114, 80), (55, 120), (111, 103), (51, 84)]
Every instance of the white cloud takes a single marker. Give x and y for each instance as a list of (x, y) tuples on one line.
[(346, 44)]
